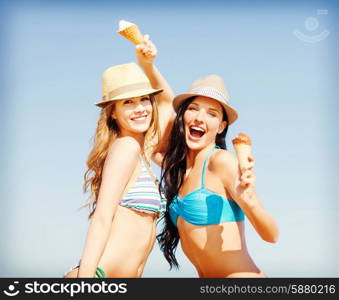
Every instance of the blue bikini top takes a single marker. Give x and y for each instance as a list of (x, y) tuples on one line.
[(205, 207)]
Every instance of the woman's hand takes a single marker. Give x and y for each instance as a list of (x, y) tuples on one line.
[(240, 184), (245, 189), (146, 52)]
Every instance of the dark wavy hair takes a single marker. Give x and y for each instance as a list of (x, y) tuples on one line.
[(173, 170)]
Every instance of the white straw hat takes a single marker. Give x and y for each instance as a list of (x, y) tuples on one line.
[(211, 86)]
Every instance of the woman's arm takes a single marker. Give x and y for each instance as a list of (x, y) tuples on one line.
[(119, 166), (241, 187), (146, 53)]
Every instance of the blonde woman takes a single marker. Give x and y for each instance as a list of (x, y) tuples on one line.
[(125, 200)]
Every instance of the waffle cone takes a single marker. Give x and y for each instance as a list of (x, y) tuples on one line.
[(133, 34), (243, 151)]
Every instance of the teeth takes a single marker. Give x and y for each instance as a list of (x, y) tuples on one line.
[(197, 128), (140, 117)]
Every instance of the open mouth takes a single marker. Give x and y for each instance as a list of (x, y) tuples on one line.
[(196, 132)]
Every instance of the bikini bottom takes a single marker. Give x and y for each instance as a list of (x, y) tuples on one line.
[(99, 273)]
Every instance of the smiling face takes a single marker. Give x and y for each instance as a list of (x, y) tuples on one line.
[(134, 115), (203, 120)]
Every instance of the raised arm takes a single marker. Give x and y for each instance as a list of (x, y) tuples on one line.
[(119, 165), (241, 187), (146, 53)]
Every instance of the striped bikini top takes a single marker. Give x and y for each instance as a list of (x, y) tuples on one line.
[(144, 194)]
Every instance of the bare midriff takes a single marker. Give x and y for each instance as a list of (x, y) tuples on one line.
[(217, 250), (130, 242)]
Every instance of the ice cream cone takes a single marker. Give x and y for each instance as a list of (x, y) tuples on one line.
[(242, 145), (131, 32)]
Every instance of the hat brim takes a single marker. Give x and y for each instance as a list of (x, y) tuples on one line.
[(232, 114), (128, 95)]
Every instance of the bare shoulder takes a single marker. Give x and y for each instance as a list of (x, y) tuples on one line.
[(127, 142), (123, 149), (224, 163)]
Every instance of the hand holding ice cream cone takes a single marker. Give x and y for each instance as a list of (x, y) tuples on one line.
[(146, 51), (243, 146)]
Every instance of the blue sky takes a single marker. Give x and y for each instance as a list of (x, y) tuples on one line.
[(284, 88)]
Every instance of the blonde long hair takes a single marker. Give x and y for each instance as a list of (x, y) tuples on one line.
[(106, 133)]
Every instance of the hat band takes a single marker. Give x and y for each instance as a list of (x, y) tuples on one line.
[(210, 92), (125, 89)]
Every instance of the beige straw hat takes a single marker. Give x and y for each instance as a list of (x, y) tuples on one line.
[(211, 86), (123, 82)]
